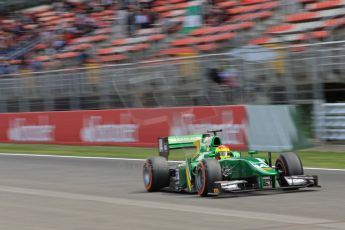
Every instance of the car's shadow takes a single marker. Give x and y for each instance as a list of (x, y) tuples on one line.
[(229, 195)]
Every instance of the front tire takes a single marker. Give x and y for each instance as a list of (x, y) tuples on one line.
[(207, 172), (156, 174), (288, 164)]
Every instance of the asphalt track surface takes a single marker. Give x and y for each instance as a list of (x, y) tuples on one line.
[(66, 193)]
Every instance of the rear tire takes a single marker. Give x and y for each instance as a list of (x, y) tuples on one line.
[(156, 174), (288, 164), (207, 172)]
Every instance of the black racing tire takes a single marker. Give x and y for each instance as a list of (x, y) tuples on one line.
[(156, 174), (207, 172), (288, 164)]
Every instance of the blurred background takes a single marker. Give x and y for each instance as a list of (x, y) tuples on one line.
[(101, 54)]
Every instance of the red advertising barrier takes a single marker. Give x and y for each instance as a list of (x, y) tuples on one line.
[(125, 127)]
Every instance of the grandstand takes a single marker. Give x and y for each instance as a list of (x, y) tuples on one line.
[(97, 54)]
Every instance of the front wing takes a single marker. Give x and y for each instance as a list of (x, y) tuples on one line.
[(294, 182)]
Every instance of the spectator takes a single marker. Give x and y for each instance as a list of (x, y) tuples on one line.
[(131, 21)]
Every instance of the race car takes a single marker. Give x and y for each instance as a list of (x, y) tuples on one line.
[(214, 169)]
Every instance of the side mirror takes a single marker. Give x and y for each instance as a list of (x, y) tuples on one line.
[(252, 152)]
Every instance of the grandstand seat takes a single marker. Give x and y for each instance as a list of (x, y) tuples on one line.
[(43, 58), (252, 16), (307, 1), (186, 41), (280, 28), (102, 31), (207, 47), (113, 50), (179, 6), (67, 55), (250, 2), (204, 31), (334, 22), (302, 17), (174, 13), (227, 4), (40, 46), (117, 42), (325, 5), (177, 51), (79, 47), (260, 40), (37, 9), (90, 39), (156, 37), (253, 8), (139, 47), (111, 58)]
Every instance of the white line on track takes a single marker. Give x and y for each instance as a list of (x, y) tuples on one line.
[(125, 159)]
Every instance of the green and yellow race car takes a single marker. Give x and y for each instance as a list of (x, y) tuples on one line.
[(214, 169)]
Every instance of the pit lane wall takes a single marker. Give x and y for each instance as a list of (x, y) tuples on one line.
[(244, 127)]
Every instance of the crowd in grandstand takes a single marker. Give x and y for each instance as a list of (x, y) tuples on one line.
[(77, 32)]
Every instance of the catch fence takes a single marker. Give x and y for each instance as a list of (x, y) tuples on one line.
[(316, 72)]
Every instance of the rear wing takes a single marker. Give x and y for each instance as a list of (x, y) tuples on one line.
[(177, 142)]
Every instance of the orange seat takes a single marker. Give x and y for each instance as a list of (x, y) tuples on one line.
[(250, 2), (67, 55), (161, 9), (118, 42), (176, 51), (46, 14), (280, 28), (80, 47), (43, 58), (186, 41), (106, 51), (90, 39), (236, 26), (204, 31), (49, 19), (176, 1), (227, 4), (326, 5), (40, 46), (179, 6), (252, 8), (174, 13), (299, 48), (320, 34), (334, 22), (300, 17), (252, 16), (15, 62), (260, 41), (139, 47), (220, 37), (207, 47), (157, 37)]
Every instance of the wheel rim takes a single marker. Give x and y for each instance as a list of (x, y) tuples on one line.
[(147, 175), (199, 180), (280, 168)]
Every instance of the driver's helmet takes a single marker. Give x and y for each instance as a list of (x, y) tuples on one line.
[(222, 152)]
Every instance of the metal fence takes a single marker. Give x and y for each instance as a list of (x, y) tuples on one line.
[(216, 79)]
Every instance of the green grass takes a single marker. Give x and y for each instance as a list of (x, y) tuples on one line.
[(309, 158)]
